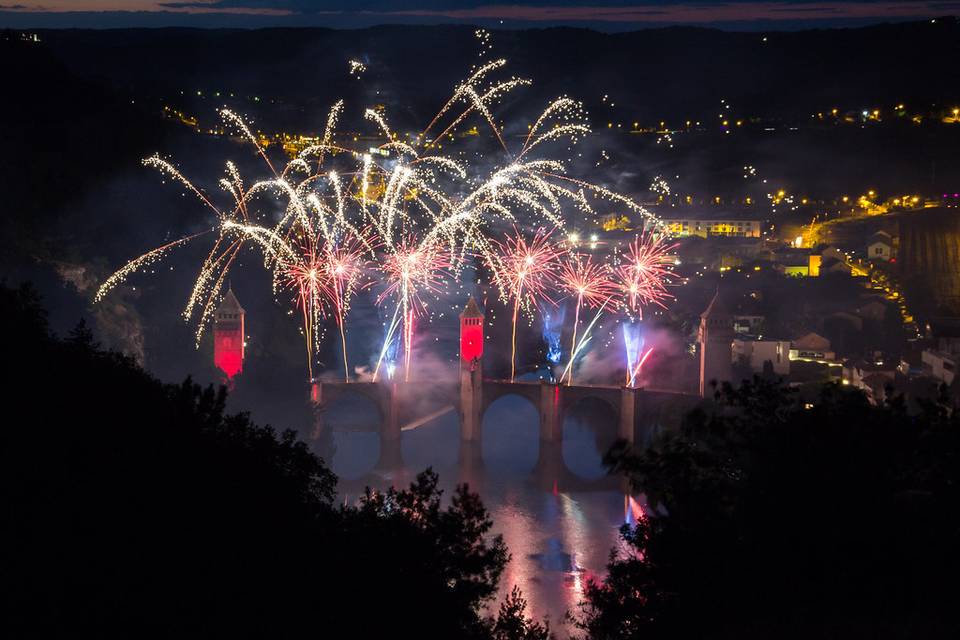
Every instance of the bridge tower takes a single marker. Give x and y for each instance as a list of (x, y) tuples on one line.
[(228, 336), (471, 370), (716, 344)]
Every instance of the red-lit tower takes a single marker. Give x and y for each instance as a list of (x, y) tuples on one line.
[(471, 335), (471, 370), (228, 336)]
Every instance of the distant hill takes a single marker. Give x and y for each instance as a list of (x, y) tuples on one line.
[(671, 73)]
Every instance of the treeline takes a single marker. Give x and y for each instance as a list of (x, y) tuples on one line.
[(777, 518), (132, 508)]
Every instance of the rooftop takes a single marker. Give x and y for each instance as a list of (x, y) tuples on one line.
[(230, 303), (471, 310)]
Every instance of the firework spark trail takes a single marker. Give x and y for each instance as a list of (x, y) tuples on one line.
[(633, 343), (591, 283), (634, 348), (412, 271), (636, 370), (524, 272), (644, 275), (325, 276), (394, 323), (303, 275), (138, 263), (391, 204), (552, 328), (346, 267), (578, 346)]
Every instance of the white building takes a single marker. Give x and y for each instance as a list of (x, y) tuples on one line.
[(870, 377), (939, 365), (713, 226), (812, 347), (757, 352), (880, 246)]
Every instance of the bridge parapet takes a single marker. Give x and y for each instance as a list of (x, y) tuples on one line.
[(638, 411)]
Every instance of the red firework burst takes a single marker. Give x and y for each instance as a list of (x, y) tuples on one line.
[(589, 281), (412, 270), (644, 276), (524, 271)]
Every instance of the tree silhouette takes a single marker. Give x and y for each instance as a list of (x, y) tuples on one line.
[(133, 508), (772, 517)]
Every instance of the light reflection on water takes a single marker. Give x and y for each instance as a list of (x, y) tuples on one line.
[(557, 538)]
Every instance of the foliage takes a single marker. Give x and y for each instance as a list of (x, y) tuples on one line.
[(771, 517), (512, 623), (132, 507)]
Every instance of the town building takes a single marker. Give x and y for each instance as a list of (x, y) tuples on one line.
[(939, 365), (713, 224), (748, 324), (872, 308), (715, 340), (812, 347), (880, 246), (872, 378), (757, 352)]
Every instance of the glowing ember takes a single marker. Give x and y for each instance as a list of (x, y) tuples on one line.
[(644, 275), (524, 271), (400, 213), (589, 283)]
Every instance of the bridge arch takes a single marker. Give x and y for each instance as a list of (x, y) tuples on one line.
[(350, 422), (590, 426), (493, 390), (510, 433)]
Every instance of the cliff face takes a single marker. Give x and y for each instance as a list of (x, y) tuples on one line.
[(930, 258)]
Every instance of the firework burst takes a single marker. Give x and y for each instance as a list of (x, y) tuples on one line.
[(400, 213), (413, 271), (525, 272), (644, 275), (588, 282), (325, 276)]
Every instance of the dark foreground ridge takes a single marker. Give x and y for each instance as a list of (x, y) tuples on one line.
[(780, 518), (132, 508)]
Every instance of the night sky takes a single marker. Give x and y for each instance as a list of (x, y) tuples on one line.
[(608, 15)]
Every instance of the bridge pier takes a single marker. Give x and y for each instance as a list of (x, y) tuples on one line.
[(387, 398), (390, 454), (550, 469), (630, 404), (471, 402), (470, 464), (551, 419), (316, 391)]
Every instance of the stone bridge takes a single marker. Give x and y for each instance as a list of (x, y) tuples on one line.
[(638, 412)]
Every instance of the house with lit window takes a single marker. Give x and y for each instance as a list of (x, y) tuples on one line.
[(812, 347), (712, 224), (880, 246)]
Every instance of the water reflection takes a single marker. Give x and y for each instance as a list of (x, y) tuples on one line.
[(510, 437), (559, 528), (589, 428), (354, 423), (356, 454)]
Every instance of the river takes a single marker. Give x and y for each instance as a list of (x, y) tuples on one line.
[(559, 523)]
